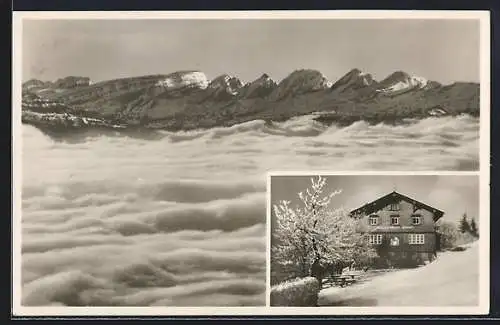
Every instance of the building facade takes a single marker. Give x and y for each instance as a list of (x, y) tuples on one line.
[(402, 229)]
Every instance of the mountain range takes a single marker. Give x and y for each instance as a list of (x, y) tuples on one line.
[(188, 99)]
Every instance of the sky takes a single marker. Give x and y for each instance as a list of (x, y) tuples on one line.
[(451, 194), (441, 50)]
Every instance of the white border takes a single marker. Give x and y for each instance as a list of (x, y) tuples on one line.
[(17, 163), (278, 14), (484, 163), (483, 308)]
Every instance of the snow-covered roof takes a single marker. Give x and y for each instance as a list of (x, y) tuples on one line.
[(387, 199)]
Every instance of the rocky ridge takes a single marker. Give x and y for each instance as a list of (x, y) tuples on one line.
[(188, 99), (260, 87)]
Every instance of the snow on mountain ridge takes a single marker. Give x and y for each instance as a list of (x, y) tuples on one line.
[(403, 83), (227, 82), (366, 78), (180, 80), (265, 80), (420, 80), (326, 83)]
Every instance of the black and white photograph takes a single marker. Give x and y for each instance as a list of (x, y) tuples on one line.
[(143, 140), (384, 240)]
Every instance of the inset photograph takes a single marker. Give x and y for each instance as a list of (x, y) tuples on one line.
[(142, 143), (374, 240)]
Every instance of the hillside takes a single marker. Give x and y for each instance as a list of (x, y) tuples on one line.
[(188, 99), (451, 280)]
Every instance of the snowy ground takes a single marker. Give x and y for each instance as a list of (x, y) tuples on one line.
[(451, 280)]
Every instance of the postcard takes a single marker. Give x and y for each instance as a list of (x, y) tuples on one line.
[(148, 146)]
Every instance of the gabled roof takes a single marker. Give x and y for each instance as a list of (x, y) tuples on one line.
[(386, 199)]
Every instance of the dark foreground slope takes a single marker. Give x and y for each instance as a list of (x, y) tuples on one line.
[(188, 100)]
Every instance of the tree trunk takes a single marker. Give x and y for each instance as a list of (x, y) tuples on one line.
[(303, 260), (317, 272)]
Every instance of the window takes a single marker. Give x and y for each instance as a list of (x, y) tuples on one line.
[(416, 239), (394, 207), (394, 220), (373, 220), (375, 239), (416, 219)]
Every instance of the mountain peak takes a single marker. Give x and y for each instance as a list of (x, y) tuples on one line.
[(395, 76), (355, 71), (226, 81), (300, 82), (400, 81), (224, 87), (260, 87), (354, 79), (400, 73)]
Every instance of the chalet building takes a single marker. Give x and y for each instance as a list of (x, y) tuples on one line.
[(402, 229)]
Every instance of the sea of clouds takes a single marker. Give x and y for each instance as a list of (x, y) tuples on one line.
[(178, 219)]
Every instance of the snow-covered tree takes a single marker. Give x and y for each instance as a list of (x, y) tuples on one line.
[(473, 228), (313, 233), (464, 224), (448, 234)]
